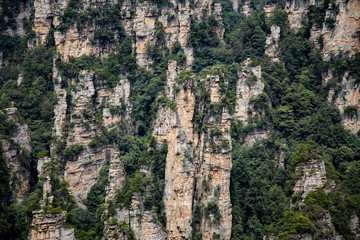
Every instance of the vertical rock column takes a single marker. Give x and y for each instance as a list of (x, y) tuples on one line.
[(177, 128), (17, 156), (48, 225), (191, 162), (213, 160)]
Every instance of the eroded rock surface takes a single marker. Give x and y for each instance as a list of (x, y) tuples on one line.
[(16, 151), (50, 227), (348, 97)]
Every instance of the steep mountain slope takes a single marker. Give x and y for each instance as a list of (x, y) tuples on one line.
[(179, 119)]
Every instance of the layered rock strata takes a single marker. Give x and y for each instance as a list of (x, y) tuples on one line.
[(47, 225), (83, 170), (50, 227)]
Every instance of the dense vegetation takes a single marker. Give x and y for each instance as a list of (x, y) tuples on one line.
[(302, 124), (299, 119)]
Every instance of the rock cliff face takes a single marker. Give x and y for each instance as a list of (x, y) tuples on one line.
[(272, 41), (198, 162), (16, 151), (297, 10), (248, 87), (345, 99), (76, 125), (197, 173), (246, 9), (312, 176), (341, 35), (21, 19), (50, 227), (345, 36), (141, 19), (177, 128)]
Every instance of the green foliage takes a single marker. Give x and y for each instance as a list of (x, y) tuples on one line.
[(213, 209), (10, 10), (130, 149), (257, 191), (72, 68), (135, 153), (73, 151), (304, 153), (96, 196), (292, 223), (126, 229), (317, 13), (249, 39), (106, 137), (113, 221), (14, 222), (261, 102), (135, 184), (87, 225), (351, 111), (62, 198), (34, 98), (279, 18), (177, 54), (295, 50)]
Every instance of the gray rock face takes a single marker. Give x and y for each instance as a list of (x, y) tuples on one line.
[(342, 37), (20, 175), (347, 97), (248, 87), (246, 8), (272, 41), (354, 225), (312, 176)]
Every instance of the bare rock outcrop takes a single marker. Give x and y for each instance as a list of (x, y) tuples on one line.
[(16, 151), (176, 27), (297, 10), (311, 176), (345, 36), (47, 224), (197, 172), (341, 36), (175, 22), (246, 9), (348, 98), (77, 125), (50, 227), (272, 44), (21, 18), (248, 87)]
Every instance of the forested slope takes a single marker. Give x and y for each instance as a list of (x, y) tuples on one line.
[(179, 119)]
